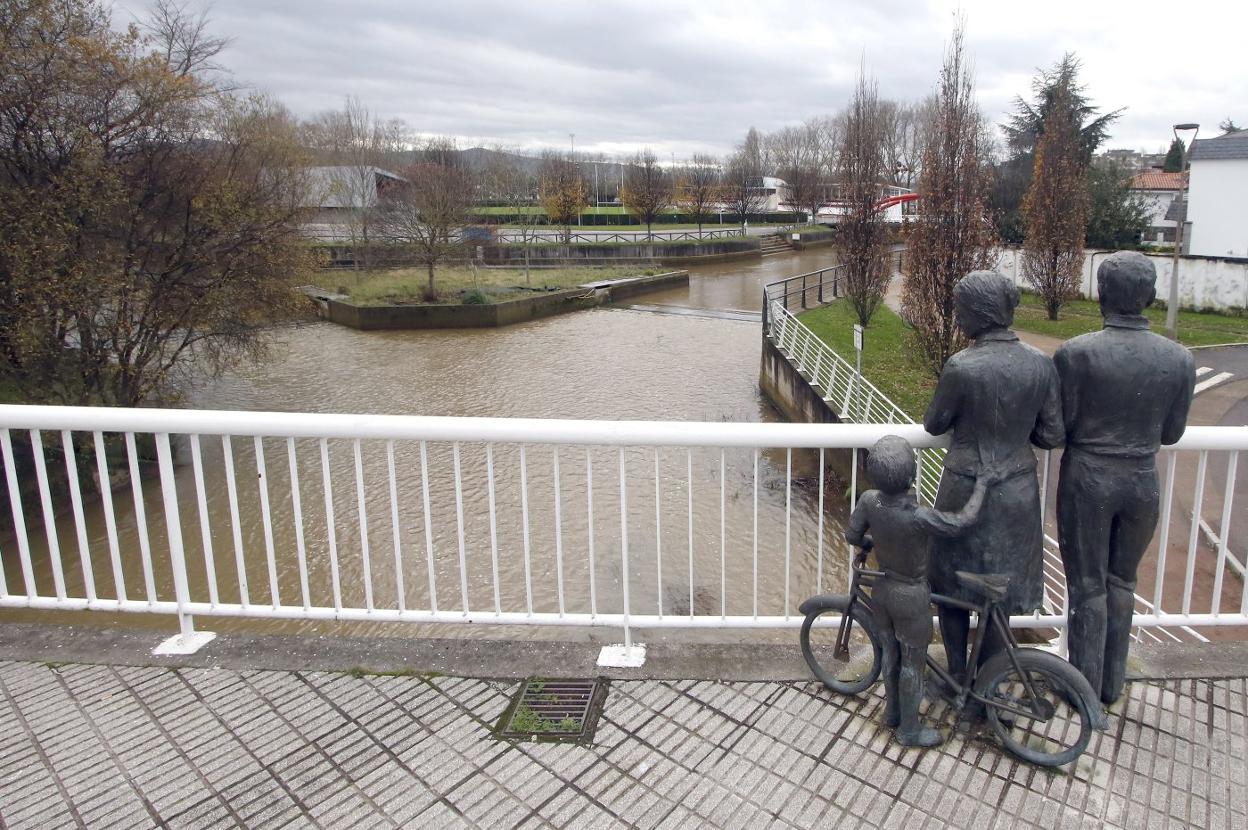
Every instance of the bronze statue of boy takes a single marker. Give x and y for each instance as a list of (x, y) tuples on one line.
[(901, 531)]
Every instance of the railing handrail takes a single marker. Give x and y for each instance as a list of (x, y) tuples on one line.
[(512, 430)]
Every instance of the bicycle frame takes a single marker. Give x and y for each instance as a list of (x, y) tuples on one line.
[(863, 577)]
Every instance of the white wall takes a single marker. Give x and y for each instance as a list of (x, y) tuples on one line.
[(1203, 282), (1218, 207)]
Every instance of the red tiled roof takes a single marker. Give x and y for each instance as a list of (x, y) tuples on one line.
[(1156, 180)]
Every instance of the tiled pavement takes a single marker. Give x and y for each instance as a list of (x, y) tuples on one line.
[(132, 747)]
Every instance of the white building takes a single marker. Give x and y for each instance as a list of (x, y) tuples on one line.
[(1158, 191), (333, 195), (1217, 219)]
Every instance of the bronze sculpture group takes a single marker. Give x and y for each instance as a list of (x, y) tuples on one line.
[(1111, 398)]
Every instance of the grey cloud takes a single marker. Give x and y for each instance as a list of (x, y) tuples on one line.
[(679, 77)]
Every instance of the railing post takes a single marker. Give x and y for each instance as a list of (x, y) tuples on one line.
[(820, 287), (188, 640), (803, 290)]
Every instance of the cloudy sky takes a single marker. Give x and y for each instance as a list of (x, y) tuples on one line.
[(683, 77)]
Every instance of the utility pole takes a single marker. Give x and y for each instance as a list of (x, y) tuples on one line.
[(1172, 303)]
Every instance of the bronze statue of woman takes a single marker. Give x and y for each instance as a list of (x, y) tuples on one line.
[(999, 396)]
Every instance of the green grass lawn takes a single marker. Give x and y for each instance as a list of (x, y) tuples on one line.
[(405, 286), (887, 360), (898, 371), (1082, 316)]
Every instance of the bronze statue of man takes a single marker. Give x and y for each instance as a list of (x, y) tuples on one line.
[(999, 397), (1125, 391)]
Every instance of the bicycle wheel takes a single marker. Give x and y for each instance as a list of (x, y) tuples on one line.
[(1050, 725), (862, 668)]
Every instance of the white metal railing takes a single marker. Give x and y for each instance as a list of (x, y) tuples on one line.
[(481, 520)]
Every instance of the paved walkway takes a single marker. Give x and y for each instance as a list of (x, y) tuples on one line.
[(120, 746)]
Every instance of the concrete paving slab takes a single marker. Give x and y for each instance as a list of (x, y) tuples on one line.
[(671, 752)]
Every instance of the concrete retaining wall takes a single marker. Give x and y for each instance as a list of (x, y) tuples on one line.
[(638, 252), (490, 315), (1204, 282), (790, 392)]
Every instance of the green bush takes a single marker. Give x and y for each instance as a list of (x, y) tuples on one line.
[(476, 297)]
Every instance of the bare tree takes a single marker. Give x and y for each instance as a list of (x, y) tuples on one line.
[(904, 135), (562, 191), (743, 192), (148, 220), (953, 234), (803, 156), (861, 237), (698, 187), (426, 212), (1055, 208), (514, 185), (647, 188), (357, 145)]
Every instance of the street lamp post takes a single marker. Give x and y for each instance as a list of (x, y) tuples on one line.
[(1172, 304)]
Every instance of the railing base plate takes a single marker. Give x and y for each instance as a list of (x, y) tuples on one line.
[(177, 644), (623, 657)]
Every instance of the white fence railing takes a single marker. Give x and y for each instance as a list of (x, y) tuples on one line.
[(474, 520)]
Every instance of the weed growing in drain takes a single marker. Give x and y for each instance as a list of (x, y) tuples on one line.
[(526, 720)]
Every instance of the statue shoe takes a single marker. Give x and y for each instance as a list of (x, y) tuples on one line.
[(924, 736)]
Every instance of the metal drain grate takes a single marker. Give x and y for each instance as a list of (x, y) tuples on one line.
[(554, 710)]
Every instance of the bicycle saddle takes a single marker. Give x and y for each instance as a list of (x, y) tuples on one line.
[(992, 586)]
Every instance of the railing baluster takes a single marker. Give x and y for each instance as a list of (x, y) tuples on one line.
[(19, 516), (459, 528), (231, 489), (723, 538), (173, 532), (819, 560), (205, 528), (1228, 498), (80, 520), (788, 523), (296, 506), (1163, 543), (559, 531), (918, 475), (489, 477), (110, 518), (624, 575), (270, 554), (754, 580), (658, 532), (1044, 488), (424, 495), (140, 518), (331, 531), (399, 590), (1192, 539), (49, 513), (524, 518), (366, 563), (589, 511), (689, 492)]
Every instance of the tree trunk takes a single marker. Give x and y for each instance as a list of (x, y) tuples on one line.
[(430, 292), (1052, 306)]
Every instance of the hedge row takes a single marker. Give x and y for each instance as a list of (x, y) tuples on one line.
[(588, 219)]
